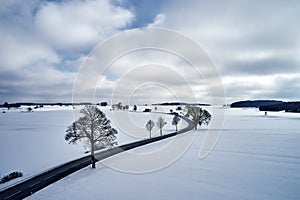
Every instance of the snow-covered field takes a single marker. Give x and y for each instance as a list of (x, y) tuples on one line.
[(256, 157), (32, 142)]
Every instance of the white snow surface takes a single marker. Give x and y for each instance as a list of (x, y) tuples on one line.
[(256, 157), (32, 142)]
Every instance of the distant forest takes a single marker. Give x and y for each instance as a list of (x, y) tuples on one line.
[(179, 104), (253, 104), (268, 105), (286, 106), (17, 105)]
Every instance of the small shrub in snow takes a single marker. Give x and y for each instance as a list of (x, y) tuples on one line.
[(11, 176), (147, 110), (178, 108), (134, 108)]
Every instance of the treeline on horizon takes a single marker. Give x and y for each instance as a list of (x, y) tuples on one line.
[(268, 105), (179, 104), (17, 105)]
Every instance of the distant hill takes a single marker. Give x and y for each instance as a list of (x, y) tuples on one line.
[(254, 104), (179, 104), (284, 106), (17, 105)]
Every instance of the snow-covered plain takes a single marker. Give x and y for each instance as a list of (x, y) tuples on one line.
[(32, 142), (257, 157)]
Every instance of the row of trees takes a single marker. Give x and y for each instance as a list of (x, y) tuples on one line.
[(119, 106), (161, 123), (94, 129), (198, 115)]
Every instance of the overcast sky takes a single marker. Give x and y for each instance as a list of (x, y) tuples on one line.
[(254, 44)]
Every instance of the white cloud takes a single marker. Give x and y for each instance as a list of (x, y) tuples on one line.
[(254, 44), (151, 66), (43, 44), (18, 52), (245, 39), (79, 25), (158, 20)]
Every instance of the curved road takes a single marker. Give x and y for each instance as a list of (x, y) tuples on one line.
[(40, 181)]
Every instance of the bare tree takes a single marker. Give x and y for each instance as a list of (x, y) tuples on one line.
[(161, 123), (199, 115), (120, 106), (205, 117), (134, 108), (175, 121), (93, 128), (150, 124), (125, 107)]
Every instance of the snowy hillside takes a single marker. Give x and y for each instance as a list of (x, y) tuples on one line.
[(257, 157)]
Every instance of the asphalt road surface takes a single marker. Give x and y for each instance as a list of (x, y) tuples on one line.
[(27, 187)]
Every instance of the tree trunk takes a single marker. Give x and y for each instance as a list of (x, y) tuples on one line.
[(176, 127), (196, 121), (93, 162), (160, 131), (93, 155)]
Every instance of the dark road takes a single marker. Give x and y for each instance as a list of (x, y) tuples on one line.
[(40, 181)]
